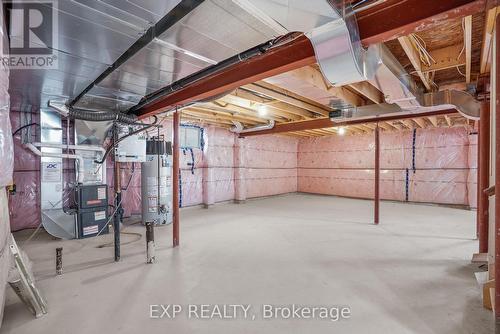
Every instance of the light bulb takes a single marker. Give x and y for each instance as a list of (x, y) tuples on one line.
[(262, 109)]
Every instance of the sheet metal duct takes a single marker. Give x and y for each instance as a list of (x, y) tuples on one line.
[(331, 27), (388, 75), (193, 43), (94, 34), (342, 60), (435, 102), (399, 88)]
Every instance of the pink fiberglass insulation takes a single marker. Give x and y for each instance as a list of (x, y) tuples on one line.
[(270, 165), (432, 165), (24, 204), (7, 166), (445, 169), (130, 174), (472, 175), (218, 166)]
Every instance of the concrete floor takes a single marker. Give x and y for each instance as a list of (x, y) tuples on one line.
[(411, 274)]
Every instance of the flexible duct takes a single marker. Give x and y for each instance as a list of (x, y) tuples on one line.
[(93, 116), (101, 116), (211, 70)]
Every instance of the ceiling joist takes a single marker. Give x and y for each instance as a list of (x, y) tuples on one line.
[(414, 57)]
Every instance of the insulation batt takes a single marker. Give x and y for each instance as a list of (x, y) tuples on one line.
[(7, 166), (445, 169), (441, 166)]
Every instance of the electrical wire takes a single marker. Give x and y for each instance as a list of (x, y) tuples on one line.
[(425, 56), (463, 49), (24, 127), (463, 45), (460, 72), (113, 145), (131, 176), (109, 244), (110, 217)]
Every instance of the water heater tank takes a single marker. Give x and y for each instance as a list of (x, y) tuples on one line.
[(156, 182)]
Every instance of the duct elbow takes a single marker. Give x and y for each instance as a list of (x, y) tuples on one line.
[(60, 107), (464, 102), (238, 127)]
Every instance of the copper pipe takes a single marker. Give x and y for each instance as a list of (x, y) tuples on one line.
[(483, 177), (377, 176), (175, 178)]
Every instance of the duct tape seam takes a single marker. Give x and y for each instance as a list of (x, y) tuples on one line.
[(180, 188), (413, 151), (407, 182)]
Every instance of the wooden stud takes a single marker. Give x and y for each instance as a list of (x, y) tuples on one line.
[(486, 48), (420, 122), (468, 47), (313, 77), (369, 91), (287, 97), (448, 57), (414, 58)]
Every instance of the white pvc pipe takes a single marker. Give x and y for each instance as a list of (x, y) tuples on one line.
[(238, 127), (36, 151), (72, 147), (61, 108)]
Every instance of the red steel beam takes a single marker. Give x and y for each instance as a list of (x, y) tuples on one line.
[(483, 177), (290, 56), (386, 22), (497, 178), (376, 196), (401, 18), (478, 187), (175, 179), (322, 123)]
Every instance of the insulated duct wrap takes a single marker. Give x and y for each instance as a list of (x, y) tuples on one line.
[(101, 116)]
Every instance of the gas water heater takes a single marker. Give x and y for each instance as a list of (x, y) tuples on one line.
[(156, 182)]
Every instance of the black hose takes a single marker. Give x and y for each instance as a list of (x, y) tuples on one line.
[(101, 116), (131, 176), (211, 70), (122, 138), (24, 127)]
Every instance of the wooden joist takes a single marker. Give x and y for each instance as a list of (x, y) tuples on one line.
[(414, 57), (468, 46), (287, 97)]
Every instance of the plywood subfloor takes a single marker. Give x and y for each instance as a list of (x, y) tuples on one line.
[(411, 274)]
